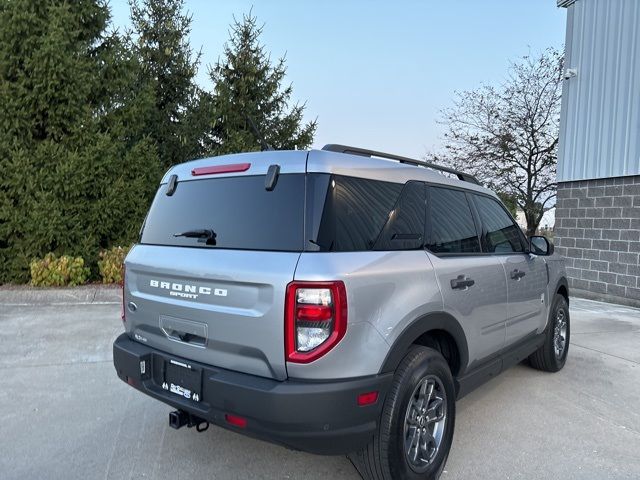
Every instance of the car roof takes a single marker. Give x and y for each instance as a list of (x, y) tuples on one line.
[(374, 168), (320, 161)]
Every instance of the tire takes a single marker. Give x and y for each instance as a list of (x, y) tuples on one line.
[(422, 371), (547, 358)]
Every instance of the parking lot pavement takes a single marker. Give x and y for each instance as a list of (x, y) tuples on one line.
[(64, 413)]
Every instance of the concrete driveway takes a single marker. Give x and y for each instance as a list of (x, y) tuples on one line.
[(64, 413)]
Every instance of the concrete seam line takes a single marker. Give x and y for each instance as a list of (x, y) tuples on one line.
[(605, 353), (60, 296)]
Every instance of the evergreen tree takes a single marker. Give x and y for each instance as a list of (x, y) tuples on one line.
[(181, 111), (248, 86), (75, 172)]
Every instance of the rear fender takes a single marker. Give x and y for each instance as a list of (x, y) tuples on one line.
[(432, 321)]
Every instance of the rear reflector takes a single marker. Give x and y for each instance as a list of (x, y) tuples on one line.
[(368, 398), (314, 313), (235, 420), (212, 170)]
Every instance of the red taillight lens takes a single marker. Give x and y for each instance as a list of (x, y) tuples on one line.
[(314, 313), (122, 314), (315, 319)]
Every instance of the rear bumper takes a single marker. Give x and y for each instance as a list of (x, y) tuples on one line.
[(317, 417)]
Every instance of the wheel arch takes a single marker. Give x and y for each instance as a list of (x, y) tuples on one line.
[(562, 288), (435, 326)]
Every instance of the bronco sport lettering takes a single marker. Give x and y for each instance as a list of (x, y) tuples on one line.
[(187, 291)]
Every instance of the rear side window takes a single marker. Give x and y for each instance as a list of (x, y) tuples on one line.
[(500, 234), (241, 213), (452, 229), (404, 229), (348, 214)]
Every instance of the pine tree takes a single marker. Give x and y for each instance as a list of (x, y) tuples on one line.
[(248, 86), (75, 171), (181, 111)]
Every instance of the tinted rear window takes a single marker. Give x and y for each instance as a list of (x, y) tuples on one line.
[(239, 210), (348, 214), (404, 229), (452, 227)]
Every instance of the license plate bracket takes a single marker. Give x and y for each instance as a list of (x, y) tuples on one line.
[(182, 379)]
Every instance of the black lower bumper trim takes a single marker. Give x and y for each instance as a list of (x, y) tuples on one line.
[(317, 417)]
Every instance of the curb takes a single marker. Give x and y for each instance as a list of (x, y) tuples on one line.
[(604, 298), (90, 294)]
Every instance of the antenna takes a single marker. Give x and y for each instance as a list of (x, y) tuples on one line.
[(263, 144)]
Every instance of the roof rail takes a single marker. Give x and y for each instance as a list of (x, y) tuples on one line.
[(465, 177)]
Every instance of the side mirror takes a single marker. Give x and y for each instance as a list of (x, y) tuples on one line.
[(540, 245)]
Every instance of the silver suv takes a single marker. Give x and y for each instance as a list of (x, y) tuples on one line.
[(334, 301)]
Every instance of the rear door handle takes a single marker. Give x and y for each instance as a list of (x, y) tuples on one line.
[(517, 274), (462, 282)]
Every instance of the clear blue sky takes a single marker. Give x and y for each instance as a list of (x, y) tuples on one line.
[(374, 73)]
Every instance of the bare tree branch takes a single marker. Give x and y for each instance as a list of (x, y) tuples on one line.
[(507, 136)]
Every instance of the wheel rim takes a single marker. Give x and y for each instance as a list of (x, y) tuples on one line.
[(424, 423), (560, 333)]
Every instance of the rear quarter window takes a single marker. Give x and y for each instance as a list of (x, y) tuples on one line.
[(348, 213)]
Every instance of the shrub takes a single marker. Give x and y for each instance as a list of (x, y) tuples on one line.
[(53, 271), (110, 264)]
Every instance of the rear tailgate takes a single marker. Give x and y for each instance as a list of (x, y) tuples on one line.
[(219, 307), (207, 281)]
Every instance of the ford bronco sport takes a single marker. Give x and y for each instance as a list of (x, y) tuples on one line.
[(334, 301)]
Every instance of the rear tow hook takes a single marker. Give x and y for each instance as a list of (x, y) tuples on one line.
[(180, 418)]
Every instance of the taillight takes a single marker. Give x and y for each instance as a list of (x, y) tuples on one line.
[(315, 319), (122, 315)]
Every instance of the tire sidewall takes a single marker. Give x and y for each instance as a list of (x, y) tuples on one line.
[(559, 302), (431, 363)]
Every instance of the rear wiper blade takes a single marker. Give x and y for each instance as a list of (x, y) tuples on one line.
[(202, 233)]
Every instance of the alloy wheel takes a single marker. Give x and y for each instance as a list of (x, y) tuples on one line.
[(560, 334), (424, 423)]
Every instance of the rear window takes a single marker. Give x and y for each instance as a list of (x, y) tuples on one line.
[(241, 213)]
